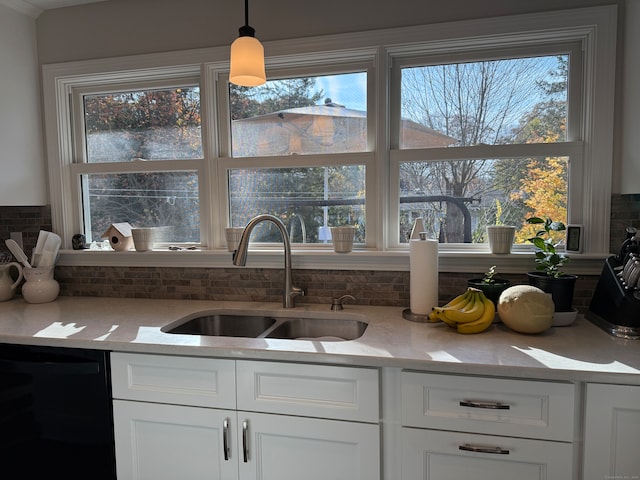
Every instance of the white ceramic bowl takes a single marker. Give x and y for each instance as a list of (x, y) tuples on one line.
[(562, 319)]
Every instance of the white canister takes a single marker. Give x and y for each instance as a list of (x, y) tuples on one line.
[(40, 286), (342, 238), (232, 237), (143, 238)]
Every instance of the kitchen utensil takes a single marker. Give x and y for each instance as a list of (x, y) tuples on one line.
[(17, 252), (37, 251), (50, 250)]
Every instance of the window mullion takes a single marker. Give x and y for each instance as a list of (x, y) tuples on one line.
[(572, 149), (135, 167)]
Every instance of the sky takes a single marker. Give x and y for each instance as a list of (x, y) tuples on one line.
[(349, 89)]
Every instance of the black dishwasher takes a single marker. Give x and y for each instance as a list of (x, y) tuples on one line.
[(56, 417)]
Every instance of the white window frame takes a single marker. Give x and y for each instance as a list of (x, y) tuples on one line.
[(355, 61), (80, 166), (572, 148), (594, 28)]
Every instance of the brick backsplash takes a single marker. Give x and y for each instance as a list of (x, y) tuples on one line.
[(257, 284), (625, 212), (28, 220), (380, 288)]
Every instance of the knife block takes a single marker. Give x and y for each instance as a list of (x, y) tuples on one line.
[(612, 308)]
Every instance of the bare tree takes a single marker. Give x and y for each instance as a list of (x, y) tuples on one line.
[(475, 103)]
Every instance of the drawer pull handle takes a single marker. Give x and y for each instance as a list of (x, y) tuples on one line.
[(493, 450), (225, 438), (488, 405), (245, 447)]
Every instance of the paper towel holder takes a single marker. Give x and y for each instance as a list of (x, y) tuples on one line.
[(407, 314)]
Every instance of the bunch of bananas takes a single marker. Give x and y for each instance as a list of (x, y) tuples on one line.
[(470, 312)]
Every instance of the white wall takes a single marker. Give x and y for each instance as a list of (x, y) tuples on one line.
[(630, 165), (22, 167), (125, 27)]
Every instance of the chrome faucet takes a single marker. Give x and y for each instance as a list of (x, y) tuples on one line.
[(240, 256)]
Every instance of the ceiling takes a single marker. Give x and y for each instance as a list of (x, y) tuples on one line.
[(49, 4), (34, 8)]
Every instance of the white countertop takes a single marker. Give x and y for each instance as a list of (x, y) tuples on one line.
[(579, 352)]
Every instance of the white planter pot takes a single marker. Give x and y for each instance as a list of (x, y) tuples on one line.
[(500, 238)]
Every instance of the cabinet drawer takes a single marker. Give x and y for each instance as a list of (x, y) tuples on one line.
[(495, 406), (435, 455), (193, 381), (342, 393)]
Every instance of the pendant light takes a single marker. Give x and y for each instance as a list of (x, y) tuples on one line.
[(247, 56)]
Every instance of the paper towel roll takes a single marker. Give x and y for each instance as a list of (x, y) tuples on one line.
[(423, 276)]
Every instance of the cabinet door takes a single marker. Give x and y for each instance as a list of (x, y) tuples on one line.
[(612, 432), (440, 455), (169, 442), (280, 447)]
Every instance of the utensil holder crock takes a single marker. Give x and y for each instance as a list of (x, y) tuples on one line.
[(40, 286)]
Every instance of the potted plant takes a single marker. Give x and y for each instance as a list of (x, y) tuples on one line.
[(491, 286), (549, 276), (500, 236)]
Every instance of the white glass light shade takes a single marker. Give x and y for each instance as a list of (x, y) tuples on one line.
[(247, 62)]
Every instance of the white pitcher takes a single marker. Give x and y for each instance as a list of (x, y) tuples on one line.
[(40, 286), (7, 285)]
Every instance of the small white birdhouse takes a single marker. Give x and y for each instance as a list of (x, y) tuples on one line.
[(119, 235)]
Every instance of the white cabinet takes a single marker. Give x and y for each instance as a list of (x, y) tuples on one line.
[(459, 427), (293, 448), (24, 178), (162, 431), (158, 441), (442, 455), (612, 432), (282, 421)]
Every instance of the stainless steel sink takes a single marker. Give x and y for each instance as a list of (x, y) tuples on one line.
[(221, 325), (319, 328), (260, 326)]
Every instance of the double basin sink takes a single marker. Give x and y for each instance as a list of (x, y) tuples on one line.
[(266, 326)]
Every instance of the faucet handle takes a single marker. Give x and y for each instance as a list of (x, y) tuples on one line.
[(336, 303)]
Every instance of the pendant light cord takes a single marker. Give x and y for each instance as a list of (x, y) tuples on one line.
[(246, 30)]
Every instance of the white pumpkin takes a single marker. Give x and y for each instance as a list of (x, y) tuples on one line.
[(526, 309)]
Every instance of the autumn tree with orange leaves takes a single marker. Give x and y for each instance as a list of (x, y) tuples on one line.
[(543, 187)]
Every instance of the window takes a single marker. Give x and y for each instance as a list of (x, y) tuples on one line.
[(138, 149), (457, 123), (310, 127), (477, 105), (295, 116), (308, 200)]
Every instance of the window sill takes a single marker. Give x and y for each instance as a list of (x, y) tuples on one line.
[(473, 261)]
